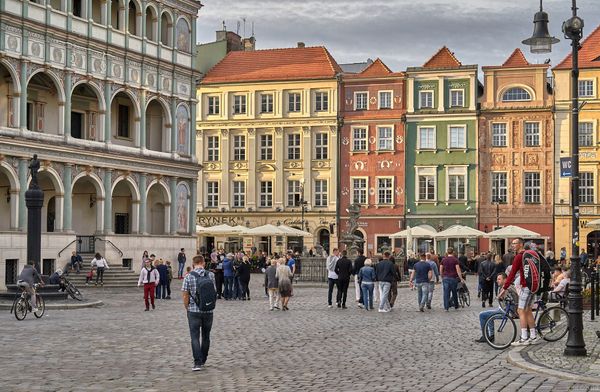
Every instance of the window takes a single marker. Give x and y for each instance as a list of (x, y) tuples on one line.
[(426, 99), (359, 139), (320, 193), (239, 194), (239, 148), (361, 101), (426, 138), (457, 98), (321, 101), (266, 147), (586, 88), (586, 134), (499, 188), (499, 135), (385, 100), (294, 193), (266, 103), (532, 134), (516, 94), (213, 105), (532, 188), (385, 138), (77, 8), (123, 129), (321, 148), (294, 102), (212, 145), (586, 188), (426, 184), (359, 191), (385, 190), (457, 178), (239, 104), (457, 137), (212, 194), (293, 146), (266, 193)]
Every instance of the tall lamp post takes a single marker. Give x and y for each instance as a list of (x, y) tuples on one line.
[(541, 42), (303, 203), (497, 203)]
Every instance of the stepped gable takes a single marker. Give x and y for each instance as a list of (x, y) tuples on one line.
[(444, 58), (589, 54), (274, 64)]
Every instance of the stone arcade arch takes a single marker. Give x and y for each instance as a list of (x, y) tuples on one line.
[(87, 111), (134, 16), (9, 197), (87, 204), (151, 23), (166, 29), (158, 126), (8, 100), (45, 103), (125, 206), (125, 115), (52, 209), (158, 211)]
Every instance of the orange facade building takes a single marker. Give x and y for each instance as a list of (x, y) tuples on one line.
[(372, 107), (516, 150)]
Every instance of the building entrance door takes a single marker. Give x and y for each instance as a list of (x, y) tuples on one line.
[(593, 244)]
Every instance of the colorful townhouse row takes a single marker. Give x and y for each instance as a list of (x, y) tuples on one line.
[(291, 136)]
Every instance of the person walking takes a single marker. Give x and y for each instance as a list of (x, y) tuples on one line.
[(411, 261), (244, 278), (394, 287), (343, 268), (359, 262), (366, 280), (181, 259), (284, 276), (272, 285), (385, 275), (486, 272), (228, 275), (217, 264), (451, 275), (163, 271), (332, 277), (169, 278), (149, 277), (101, 264), (436, 273), (199, 286), (144, 258), (420, 277)]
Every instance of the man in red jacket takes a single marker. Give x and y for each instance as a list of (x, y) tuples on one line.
[(526, 297)]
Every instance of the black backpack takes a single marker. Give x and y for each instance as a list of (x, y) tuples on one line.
[(206, 295)]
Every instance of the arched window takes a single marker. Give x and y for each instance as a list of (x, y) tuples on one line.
[(151, 24), (516, 94), (183, 35), (132, 22), (166, 29)]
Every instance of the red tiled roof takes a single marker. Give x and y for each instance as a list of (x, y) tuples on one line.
[(376, 68), (589, 54), (274, 64), (516, 59), (443, 59)]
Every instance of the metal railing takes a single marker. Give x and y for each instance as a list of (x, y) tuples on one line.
[(311, 269), (66, 247), (112, 244), (595, 294)]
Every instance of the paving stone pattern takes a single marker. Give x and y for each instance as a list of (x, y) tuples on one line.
[(119, 347)]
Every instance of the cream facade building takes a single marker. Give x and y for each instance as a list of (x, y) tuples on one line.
[(267, 138)]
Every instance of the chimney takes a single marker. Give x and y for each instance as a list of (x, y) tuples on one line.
[(301, 45), (249, 44)]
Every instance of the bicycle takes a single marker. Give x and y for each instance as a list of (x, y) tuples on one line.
[(500, 330), (464, 298), (71, 289), (22, 304)]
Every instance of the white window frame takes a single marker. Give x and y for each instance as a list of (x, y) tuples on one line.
[(266, 194), (360, 140), (214, 149), (353, 190), (526, 187), (464, 128), (592, 133), (499, 136), (389, 139), (585, 95), (293, 104), (457, 171), (321, 193), (212, 194), (265, 105), (429, 171), (539, 133), (366, 100), (462, 97), (516, 100), (296, 148), (214, 107), (266, 148), (239, 149), (321, 104), (586, 190), (379, 100), (321, 145), (293, 188), (390, 190), (497, 190), (240, 104), (432, 92), (239, 194), (419, 128)]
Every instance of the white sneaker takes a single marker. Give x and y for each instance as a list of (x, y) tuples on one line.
[(535, 340), (35, 310), (521, 342), (383, 311), (330, 306)]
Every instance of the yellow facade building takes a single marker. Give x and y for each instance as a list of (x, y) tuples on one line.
[(267, 138), (589, 152)]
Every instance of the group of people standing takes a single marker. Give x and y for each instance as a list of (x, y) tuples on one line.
[(156, 276), (232, 274)]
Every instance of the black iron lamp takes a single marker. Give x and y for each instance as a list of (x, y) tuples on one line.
[(541, 41)]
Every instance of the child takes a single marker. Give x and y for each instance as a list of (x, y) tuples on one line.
[(187, 271), (89, 276)]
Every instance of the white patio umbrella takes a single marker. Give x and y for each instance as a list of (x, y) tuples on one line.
[(200, 229), (293, 232), (459, 231), (222, 230), (243, 230), (267, 230), (421, 231), (513, 232)]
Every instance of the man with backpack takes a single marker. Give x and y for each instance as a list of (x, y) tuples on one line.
[(199, 299)]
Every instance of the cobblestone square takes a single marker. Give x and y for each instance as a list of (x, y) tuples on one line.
[(119, 347)]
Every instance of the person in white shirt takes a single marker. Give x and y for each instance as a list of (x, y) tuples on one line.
[(560, 291), (149, 277), (101, 264), (332, 277)]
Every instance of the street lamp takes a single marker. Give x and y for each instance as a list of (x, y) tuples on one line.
[(303, 203), (541, 42)]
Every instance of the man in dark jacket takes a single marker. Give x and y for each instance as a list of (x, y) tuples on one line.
[(343, 268), (394, 288), (385, 276), (359, 262), (486, 271)]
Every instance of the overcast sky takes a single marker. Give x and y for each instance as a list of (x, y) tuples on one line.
[(401, 32)]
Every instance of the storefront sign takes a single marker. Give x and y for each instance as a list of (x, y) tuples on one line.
[(208, 221)]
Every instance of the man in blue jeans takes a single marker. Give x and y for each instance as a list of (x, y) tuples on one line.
[(200, 323), (451, 274), (486, 314), (228, 276), (421, 276)]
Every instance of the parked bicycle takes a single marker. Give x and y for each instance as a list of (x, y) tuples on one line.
[(552, 323), (464, 298), (22, 304), (71, 289)]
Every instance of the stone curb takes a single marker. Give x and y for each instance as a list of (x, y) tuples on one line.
[(62, 306), (518, 357)]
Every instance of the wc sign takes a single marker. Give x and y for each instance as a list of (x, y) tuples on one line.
[(565, 167)]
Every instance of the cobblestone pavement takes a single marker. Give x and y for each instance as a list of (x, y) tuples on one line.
[(119, 347)]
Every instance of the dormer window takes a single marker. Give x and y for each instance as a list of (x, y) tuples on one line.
[(516, 94)]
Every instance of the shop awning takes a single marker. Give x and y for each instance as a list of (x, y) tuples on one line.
[(459, 231)]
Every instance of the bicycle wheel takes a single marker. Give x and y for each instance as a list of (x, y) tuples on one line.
[(585, 279), (499, 331), (461, 300), (41, 305), (467, 299), (21, 309), (74, 292), (553, 323)]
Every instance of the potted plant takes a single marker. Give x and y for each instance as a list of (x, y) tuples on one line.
[(587, 298)]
